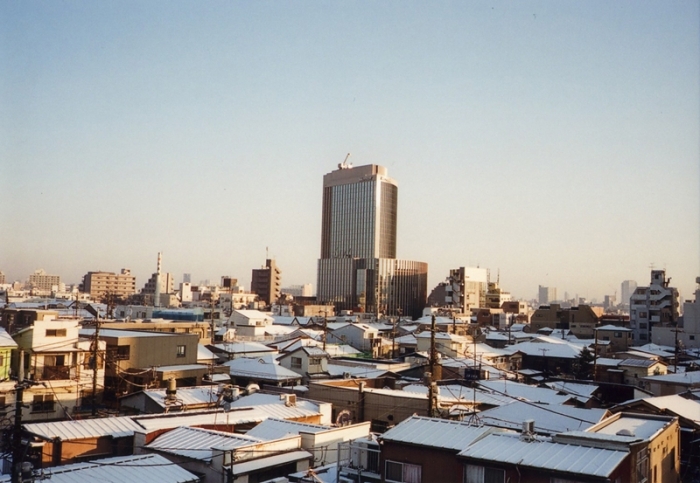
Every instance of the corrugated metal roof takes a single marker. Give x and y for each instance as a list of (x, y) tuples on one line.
[(240, 415), (279, 428), (517, 390), (580, 460), (260, 367), (124, 469), (85, 428), (6, 339), (190, 396), (253, 465), (640, 427), (197, 443), (548, 419), (439, 433)]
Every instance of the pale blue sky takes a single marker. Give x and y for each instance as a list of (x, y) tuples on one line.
[(554, 141)]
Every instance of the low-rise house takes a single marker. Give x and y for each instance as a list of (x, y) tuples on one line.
[(132, 356), (548, 420), (620, 338), (688, 413), (7, 345), (665, 385), (422, 449), (367, 400), (310, 362), (450, 345), (64, 442), (51, 352), (220, 456), (362, 337), (635, 370), (319, 440), (233, 350), (621, 448), (261, 370), (250, 323)]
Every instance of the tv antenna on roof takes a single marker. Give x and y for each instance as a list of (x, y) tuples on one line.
[(344, 164)]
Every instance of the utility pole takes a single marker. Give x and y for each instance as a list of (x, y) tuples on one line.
[(431, 380), (95, 350), (17, 434), (675, 358)]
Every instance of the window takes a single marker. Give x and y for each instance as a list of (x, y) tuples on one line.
[(296, 362), (123, 352), (692, 337), (43, 403), (402, 472), (55, 360), (482, 474), (315, 361), (643, 466), (55, 332), (618, 334), (181, 350), (2, 360)]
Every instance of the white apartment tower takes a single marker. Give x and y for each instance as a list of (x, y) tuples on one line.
[(655, 305)]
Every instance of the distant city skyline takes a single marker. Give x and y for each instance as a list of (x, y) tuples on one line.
[(554, 143)]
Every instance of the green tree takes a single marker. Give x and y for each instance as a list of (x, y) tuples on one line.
[(583, 364)]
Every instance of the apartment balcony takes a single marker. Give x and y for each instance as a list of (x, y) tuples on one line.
[(54, 373)]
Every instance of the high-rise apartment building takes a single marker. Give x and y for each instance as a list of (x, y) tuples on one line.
[(655, 305), (547, 295), (43, 281), (627, 288), (2, 278), (358, 269), (98, 284), (266, 282)]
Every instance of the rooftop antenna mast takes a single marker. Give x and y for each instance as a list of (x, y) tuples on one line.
[(344, 164)]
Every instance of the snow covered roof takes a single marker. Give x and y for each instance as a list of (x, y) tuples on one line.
[(438, 433), (583, 390), (204, 354), (685, 378), (262, 368), (614, 328), (546, 455), (555, 348), (198, 443), (85, 428), (272, 428), (517, 390), (370, 372), (6, 339), (152, 468), (548, 419), (243, 347), (460, 394), (638, 362), (182, 367), (675, 404), (640, 427)]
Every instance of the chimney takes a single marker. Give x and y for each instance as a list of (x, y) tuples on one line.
[(171, 391)]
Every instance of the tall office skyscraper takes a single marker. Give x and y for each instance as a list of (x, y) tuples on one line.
[(358, 269)]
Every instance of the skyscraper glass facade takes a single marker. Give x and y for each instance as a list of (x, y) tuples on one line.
[(358, 269)]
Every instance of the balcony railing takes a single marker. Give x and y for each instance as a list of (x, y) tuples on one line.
[(52, 373)]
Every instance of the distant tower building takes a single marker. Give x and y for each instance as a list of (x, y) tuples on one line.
[(547, 295), (158, 285), (306, 290), (187, 278), (43, 281), (358, 269), (2, 278), (655, 305), (266, 282), (627, 289), (98, 284), (156, 294), (464, 289)]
